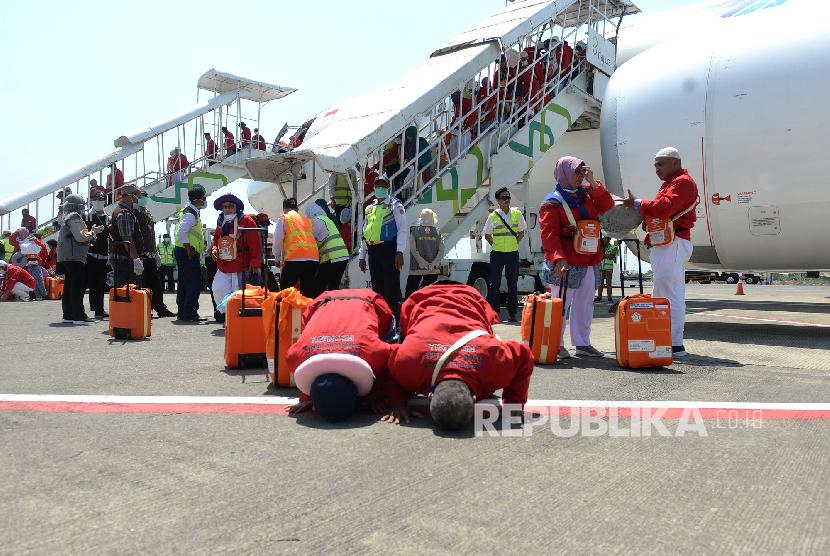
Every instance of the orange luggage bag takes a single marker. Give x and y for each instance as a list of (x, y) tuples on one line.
[(244, 337), (54, 287), (642, 326), (542, 318), (130, 308), (282, 315)]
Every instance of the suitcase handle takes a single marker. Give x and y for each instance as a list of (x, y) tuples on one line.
[(264, 232), (563, 294), (115, 275)]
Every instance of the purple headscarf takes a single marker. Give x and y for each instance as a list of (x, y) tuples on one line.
[(565, 170)]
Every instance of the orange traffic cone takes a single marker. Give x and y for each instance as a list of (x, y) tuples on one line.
[(740, 290)]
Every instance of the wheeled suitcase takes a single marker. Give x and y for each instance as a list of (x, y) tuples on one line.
[(244, 336), (54, 287), (282, 315), (130, 317), (642, 327), (542, 321)]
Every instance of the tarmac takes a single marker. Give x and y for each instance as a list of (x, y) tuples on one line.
[(168, 481)]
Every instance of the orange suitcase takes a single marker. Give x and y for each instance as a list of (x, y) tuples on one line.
[(542, 320), (282, 315), (642, 326), (130, 308), (54, 287), (244, 336)]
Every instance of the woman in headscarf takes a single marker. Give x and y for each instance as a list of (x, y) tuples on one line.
[(426, 249), (73, 244), (569, 227), (334, 257), (237, 249)]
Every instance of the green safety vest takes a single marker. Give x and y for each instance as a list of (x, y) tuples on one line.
[(342, 192), (196, 235), (8, 254), (503, 240), (166, 254), (380, 223), (610, 256), (333, 247)]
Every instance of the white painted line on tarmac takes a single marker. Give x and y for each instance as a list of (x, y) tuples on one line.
[(761, 319)]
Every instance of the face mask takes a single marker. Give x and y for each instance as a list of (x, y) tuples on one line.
[(166, 241), (98, 206), (381, 192), (230, 217)]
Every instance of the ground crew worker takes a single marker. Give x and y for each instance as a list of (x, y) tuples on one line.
[(189, 246), (345, 333), (385, 239), (167, 263), (426, 249), (558, 231), (611, 251), (8, 249), (340, 192), (449, 346), (676, 198), (126, 257), (503, 230), (98, 254), (236, 247), (295, 249), (149, 257), (334, 257)]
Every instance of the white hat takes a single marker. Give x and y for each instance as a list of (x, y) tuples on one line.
[(668, 152), (352, 367)]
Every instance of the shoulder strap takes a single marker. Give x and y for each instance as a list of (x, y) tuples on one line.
[(688, 209), (461, 342), (496, 212), (568, 212)]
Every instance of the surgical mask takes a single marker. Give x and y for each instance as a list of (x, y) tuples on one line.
[(230, 217), (381, 192), (98, 206), (166, 241)]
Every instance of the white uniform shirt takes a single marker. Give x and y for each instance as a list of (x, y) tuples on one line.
[(402, 239), (187, 222)]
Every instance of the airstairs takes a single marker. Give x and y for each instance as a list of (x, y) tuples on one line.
[(142, 157), (483, 117)]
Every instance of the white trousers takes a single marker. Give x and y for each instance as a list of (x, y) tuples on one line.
[(579, 309), (668, 263), (21, 291), (223, 284)]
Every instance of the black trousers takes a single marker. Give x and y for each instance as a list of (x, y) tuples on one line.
[(386, 279), (123, 272), (507, 263), (74, 283), (304, 272), (166, 275), (96, 281), (190, 284), (417, 281), (329, 275), (150, 279)]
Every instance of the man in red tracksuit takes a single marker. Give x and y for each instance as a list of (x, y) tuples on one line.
[(342, 335), (676, 198), (436, 319)]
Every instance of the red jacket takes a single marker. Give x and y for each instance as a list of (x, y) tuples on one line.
[(174, 164), (210, 150), (564, 55), (556, 231), (52, 258), (259, 142), (229, 143), (354, 326), (246, 135), (675, 195), (29, 222), (15, 274), (432, 319), (119, 179), (248, 247)]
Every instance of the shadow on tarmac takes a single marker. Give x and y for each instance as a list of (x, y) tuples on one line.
[(706, 305)]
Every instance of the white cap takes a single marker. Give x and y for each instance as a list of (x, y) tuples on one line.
[(668, 152)]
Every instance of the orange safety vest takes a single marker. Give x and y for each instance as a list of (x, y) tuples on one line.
[(299, 242)]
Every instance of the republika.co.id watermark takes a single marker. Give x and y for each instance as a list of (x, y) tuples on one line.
[(631, 422)]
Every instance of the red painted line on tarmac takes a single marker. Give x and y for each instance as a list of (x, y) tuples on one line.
[(761, 319)]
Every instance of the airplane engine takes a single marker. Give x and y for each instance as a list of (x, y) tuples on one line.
[(747, 109)]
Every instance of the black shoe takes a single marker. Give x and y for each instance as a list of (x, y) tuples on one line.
[(610, 300), (101, 315), (678, 352), (511, 318), (219, 317), (165, 313), (199, 319), (597, 299)]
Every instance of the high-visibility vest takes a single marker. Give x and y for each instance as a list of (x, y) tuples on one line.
[(166, 255), (196, 234), (503, 240), (9, 248), (342, 192), (333, 247), (299, 242), (380, 223)]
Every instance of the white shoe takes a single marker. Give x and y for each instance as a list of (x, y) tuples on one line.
[(563, 353)]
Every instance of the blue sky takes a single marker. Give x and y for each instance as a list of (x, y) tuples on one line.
[(79, 74)]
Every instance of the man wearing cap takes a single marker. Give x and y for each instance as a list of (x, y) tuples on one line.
[(295, 250), (258, 140), (127, 237), (98, 254), (341, 351), (149, 257), (167, 263), (504, 230), (246, 135), (449, 347), (385, 238), (190, 244), (236, 248), (676, 199)]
